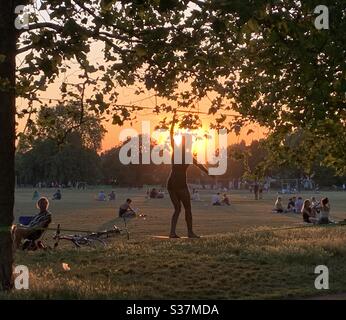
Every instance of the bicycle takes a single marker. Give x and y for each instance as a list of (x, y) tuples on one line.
[(90, 239)]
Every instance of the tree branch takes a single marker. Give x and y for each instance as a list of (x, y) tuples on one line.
[(24, 49), (107, 34), (41, 25)]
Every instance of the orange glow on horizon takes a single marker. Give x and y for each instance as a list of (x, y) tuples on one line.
[(111, 138)]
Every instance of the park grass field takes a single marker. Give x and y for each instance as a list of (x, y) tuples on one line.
[(241, 254)]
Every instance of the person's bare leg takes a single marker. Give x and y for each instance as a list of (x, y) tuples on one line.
[(175, 217), (188, 218), (174, 222), (186, 200), (18, 235)]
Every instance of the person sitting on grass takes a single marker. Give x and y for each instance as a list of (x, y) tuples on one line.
[(294, 200), (299, 205), (278, 207), (315, 206), (308, 216), (160, 194), (153, 193), (36, 195), (324, 212), (314, 202), (57, 195), (35, 229), (291, 205), (101, 196), (226, 200), (126, 210), (195, 195), (111, 196), (216, 200)]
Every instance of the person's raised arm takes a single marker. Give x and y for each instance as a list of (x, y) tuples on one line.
[(129, 207), (171, 133), (200, 166)]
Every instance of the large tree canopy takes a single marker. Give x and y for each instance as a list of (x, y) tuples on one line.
[(264, 59), (272, 64), (140, 41)]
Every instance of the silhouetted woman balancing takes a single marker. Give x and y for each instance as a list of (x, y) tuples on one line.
[(178, 189)]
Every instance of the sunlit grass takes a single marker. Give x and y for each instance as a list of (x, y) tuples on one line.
[(241, 265)]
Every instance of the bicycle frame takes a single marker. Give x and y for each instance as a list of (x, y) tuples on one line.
[(88, 239)]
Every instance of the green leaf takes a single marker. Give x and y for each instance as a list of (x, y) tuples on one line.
[(106, 4), (140, 51), (253, 25)]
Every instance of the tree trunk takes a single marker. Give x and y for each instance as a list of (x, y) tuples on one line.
[(7, 137)]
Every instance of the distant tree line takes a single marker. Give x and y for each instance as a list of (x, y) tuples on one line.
[(74, 162), (62, 147)]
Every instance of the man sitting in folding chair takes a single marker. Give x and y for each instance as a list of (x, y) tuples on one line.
[(31, 231)]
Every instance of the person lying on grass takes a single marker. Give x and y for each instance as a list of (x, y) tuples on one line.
[(35, 229)]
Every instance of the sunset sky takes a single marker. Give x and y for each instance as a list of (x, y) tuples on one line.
[(127, 96)]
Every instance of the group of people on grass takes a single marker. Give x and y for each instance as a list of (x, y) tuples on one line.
[(155, 194), (180, 195), (56, 196), (294, 205), (28, 235), (102, 196), (312, 210), (218, 200)]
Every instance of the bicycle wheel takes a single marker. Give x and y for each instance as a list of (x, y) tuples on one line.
[(96, 243)]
